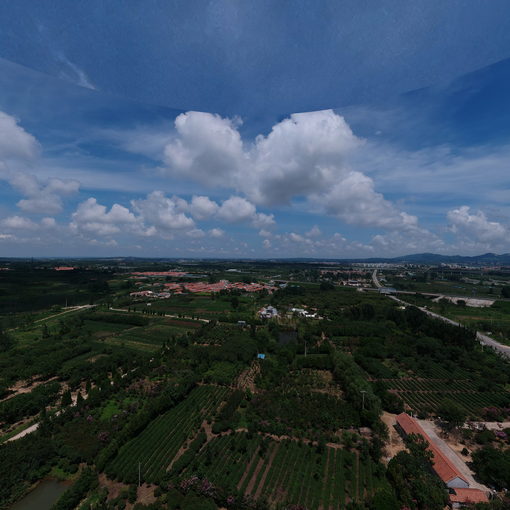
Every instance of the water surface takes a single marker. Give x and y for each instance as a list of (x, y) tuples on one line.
[(43, 497)]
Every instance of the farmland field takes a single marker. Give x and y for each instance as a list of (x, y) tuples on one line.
[(153, 335), (191, 406), (197, 305), (425, 395), (157, 445), (285, 472)]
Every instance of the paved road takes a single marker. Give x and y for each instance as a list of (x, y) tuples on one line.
[(171, 316), (35, 426), (70, 309), (375, 279), (481, 337)]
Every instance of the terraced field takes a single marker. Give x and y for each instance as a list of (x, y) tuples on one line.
[(158, 444), (285, 472), (425, 395)]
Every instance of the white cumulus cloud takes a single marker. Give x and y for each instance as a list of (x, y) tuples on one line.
[(303, 156), (92, 218), (475, 226), (15, 142)]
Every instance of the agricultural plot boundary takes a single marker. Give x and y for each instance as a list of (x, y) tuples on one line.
[(158, 444), (427, 394), (284, 472)]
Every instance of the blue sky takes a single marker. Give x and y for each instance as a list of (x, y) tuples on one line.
[(173, 130)]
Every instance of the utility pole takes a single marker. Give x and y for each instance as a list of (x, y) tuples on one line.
[(363, 399)]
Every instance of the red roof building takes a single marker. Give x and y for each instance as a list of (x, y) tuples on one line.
[(461, 497), (443, 467)]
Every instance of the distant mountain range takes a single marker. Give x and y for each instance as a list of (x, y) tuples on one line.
[(490, 259), (434, 258)]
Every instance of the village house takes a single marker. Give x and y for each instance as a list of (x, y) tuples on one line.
[(460, 492), (268, 312)]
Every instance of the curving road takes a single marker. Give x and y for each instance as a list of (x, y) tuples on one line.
[(481, 337), (375, 279)]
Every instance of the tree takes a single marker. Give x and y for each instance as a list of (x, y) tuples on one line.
[(505, 292), (452, 413), (412, 479), (492, 466), (67, 399), (384, 499), (6, 341), (326, 286), (45, 331)]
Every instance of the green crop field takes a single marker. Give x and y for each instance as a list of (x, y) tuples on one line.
[(425, 395), (285, 472), (157, 445), (156, 334)]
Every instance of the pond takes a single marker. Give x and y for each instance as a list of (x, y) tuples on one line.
[(43, 497)]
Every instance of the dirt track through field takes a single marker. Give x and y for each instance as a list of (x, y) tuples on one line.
[(268, 467), (254, 477), (248, 467)]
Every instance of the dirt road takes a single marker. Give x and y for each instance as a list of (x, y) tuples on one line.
[(24, 433), (69, 310)]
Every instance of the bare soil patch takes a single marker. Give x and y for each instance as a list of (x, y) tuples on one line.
[(247, 378), (26, 386), (114, 488), (395, 443)]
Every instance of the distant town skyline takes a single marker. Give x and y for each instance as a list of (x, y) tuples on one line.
[(404, 152)]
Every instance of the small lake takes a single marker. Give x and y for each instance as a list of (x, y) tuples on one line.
[(43, 497)]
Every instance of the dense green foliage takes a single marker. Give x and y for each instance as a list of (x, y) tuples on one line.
[(22, 463), (492, 466), (411, 475), (72, 496), (28, 404), (182, 400), (171, 430)]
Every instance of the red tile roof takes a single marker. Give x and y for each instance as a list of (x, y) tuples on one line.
[(441, 464), (469, 496), (216, 287)]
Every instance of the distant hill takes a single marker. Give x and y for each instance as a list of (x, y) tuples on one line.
[(416, 258), (435, 258)]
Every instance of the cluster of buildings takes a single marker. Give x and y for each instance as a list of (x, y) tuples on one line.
[(174, 288), (150, 294), (209, 288), (159, 274), (460, 492), (301, 312), (64, 268), (270, 312), (349, 277)]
